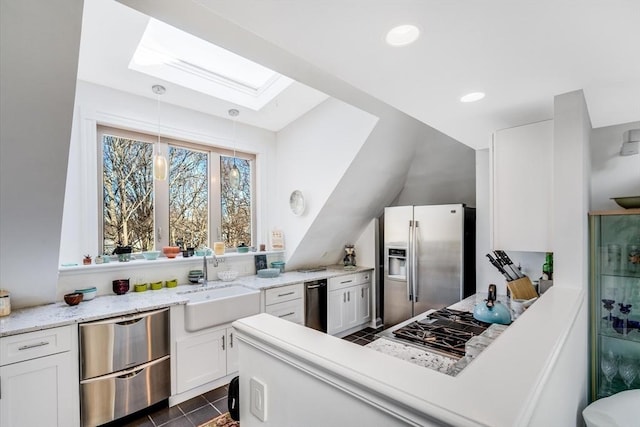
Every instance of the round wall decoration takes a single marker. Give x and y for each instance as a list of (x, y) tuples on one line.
[(296, 202)]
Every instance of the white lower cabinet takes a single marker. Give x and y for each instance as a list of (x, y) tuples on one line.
[(205, 357), (348, 302), (286, 302), (201, 360), (39, 379), (292, 311)]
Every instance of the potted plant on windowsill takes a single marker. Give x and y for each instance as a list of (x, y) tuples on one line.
[(123, 252)]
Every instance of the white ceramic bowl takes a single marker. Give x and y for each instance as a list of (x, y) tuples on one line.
[(88, 293), (227, 276)]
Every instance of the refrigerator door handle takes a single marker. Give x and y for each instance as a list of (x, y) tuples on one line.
[(409, 270), (414, 262)]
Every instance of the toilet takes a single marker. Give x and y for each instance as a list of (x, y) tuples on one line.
[(620, 410)]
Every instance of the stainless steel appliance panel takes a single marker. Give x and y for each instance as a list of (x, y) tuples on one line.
[(439, 242), (122, 393), (429, 260), (315, 305), (119, 343), (398, 301), (397, 306)]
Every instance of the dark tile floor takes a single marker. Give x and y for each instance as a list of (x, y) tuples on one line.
[(363, 337), (207, 406)]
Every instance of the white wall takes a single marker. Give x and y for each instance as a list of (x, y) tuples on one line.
[(38, 64), (571, 171), (531, 262), (612, 175), (100, 105), (312, 156)]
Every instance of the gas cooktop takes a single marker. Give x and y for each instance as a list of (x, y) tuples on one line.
[(443, 331)]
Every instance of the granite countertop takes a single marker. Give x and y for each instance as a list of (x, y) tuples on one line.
[(435, 361), (60, 314)]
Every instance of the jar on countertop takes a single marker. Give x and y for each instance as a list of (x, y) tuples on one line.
[(5, 303)]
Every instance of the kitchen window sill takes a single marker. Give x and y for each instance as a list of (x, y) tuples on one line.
[(137, 263)]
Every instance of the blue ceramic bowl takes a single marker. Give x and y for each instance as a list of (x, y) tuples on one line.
[(151, 255), (268, 273)]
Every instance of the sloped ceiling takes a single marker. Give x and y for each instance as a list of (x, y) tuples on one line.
[(379, 170), (38, 67), (522, 53)]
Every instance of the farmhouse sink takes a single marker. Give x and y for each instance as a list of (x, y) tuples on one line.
[(208, 307)]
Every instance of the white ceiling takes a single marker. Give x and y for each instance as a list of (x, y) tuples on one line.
[(110, 35), (520, 52)]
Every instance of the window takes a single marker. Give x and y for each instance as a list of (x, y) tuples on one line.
[(236, 203), (195, 206), (127, 193), (188, 197)]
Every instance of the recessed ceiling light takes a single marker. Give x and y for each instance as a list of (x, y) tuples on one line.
[(402, 35), (472, 97)]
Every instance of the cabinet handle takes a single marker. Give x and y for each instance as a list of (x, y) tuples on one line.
[(285, 294), (231, 340), (223, 342), (346, 281), (349, 296), (288, 314), (129, 322), (361, 292), (28, 346), (344, 297)]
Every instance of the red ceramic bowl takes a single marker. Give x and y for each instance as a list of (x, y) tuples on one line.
[(120, 286), (73, 298), (171, 251)]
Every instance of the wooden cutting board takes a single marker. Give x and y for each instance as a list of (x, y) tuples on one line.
[(522, 289)]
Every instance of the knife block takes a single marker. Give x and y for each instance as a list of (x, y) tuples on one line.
[(522, 289)]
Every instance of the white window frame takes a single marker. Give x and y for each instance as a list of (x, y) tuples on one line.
[(161, 188)]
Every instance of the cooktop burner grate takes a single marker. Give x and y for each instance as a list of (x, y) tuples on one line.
[(444, 330)]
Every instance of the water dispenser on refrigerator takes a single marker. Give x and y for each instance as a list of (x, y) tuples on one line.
[(396, 264)]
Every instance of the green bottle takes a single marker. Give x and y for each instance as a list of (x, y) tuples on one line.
[(547, 267)]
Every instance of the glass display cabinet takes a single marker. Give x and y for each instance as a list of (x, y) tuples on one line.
[(614, 301)]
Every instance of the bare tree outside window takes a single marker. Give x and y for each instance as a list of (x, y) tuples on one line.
[(235, 203), (188, 197), (193, 207), (127, 193)]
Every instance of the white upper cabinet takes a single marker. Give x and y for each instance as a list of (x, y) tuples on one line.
[(521, 188)]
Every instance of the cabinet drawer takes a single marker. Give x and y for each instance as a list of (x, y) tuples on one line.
[(283, 293), (31, 345), (341, 282), (290, 310), (363, 277)]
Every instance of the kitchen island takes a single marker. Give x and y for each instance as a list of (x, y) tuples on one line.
[(441, 361), (526, 377)]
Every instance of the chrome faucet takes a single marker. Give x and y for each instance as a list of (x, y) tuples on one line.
[(204, 265)]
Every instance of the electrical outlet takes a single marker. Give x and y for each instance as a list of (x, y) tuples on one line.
[(258, 399)]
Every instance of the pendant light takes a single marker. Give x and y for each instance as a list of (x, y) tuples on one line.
[(234, 173), (159, 160)]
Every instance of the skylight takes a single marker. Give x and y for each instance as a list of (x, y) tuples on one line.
[(181, 58)]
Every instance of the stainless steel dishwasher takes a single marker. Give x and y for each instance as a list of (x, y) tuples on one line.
[(315, 304), (124, 365)]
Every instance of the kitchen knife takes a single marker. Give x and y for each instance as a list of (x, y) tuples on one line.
[(497, 265), (502, 260), (506, 261)]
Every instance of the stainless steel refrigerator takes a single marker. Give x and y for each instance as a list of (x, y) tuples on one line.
[(429, 259)]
